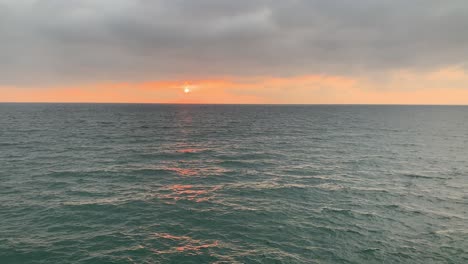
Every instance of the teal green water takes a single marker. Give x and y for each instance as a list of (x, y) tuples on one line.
[(90, 183)]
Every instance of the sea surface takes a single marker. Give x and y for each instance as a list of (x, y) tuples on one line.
[(122, 183)]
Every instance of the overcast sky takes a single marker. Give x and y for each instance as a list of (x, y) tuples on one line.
[(58, 42)]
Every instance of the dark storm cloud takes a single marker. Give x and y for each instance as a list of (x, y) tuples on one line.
[(56, 41)]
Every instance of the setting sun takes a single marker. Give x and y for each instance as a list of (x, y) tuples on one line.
[(186, 90)]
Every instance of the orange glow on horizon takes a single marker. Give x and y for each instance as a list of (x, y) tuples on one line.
[(446, 86)]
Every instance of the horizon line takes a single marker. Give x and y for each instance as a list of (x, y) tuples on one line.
[(254, 104)]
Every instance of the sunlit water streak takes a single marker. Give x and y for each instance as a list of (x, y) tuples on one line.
[(90, 183)]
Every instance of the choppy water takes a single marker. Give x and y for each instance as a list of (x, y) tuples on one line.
[(233, 184)]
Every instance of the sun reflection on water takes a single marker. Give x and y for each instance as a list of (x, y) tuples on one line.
[(183, 244), (197, 194)]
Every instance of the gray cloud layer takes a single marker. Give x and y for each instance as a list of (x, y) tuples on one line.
[(57, 41)]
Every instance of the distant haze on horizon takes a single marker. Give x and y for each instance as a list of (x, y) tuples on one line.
[(224, 51)]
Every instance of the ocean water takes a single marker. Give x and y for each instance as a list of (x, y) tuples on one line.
[(97, 183)]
